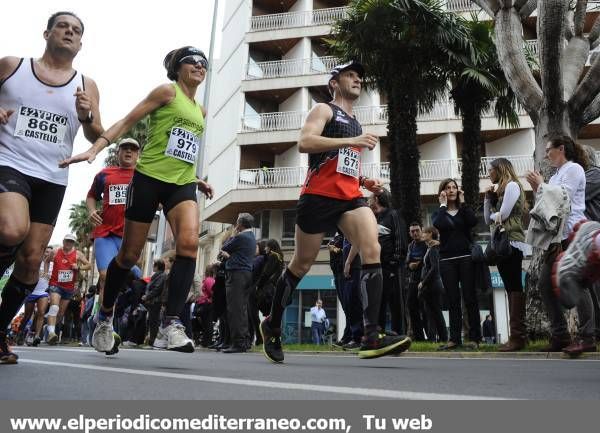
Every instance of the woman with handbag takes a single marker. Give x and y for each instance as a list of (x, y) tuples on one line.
[(455, 221), (503, 210)]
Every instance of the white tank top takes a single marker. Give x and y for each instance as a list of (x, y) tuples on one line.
[(42, 283), (41, 131)]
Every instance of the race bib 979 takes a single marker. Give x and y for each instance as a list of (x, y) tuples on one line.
[(348, 162), (183, 145), (41, 125)]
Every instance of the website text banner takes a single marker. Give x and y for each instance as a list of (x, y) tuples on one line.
[(298, 416)]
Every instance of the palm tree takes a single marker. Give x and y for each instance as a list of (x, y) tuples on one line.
[(405, 46), (139, 132), (79, 223), (478, 86)]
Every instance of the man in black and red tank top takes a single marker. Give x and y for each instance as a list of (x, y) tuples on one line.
[(331, 199), (67, 262)]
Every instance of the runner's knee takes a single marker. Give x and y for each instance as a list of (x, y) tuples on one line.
[(53, 310), (127, 259)]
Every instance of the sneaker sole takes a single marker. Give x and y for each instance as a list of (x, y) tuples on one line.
[(186, 348), (9, 359), (53, 340), (262, 334), (116, 344), (396, 348)]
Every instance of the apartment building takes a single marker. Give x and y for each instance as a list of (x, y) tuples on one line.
[(273, 68)]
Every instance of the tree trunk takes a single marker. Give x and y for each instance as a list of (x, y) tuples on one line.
[(470, 111), (404, 153)]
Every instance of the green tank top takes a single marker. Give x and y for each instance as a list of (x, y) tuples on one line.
[(173, 143)]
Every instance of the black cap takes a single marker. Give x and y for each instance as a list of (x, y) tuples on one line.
[(338, 69), (350, 66)]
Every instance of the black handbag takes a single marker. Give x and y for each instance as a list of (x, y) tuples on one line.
[(500, 244)]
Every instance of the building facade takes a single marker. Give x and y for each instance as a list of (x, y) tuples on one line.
[(273, 68)]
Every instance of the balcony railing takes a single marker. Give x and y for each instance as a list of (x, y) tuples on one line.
[(366, 115), (461, 6), (279, 121), (279, 177), (290, 68), (317, 17), (430, 171)]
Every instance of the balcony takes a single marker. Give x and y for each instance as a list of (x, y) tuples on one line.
[(461, 6), (533, 46), (366, 115), (317, 17), (430, 171), (290, 68)]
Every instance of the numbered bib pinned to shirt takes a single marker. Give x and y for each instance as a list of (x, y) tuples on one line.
[(65, 276), (41, 125), (183, 145), (348, 162), (117, 194)]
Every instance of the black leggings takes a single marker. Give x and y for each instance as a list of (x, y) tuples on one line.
[(458, 276), (510, 271)]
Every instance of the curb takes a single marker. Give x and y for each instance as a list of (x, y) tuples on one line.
[(465, 355)]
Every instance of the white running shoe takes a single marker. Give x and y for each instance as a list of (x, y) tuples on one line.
[(103, 339), (52, 339), (161, 341), (177, 338)]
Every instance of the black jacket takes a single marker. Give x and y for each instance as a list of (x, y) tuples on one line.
[(431, 279), (393, 237), (155, 287), (455, 231)]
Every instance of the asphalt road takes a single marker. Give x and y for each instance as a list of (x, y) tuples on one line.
[(83, 374)]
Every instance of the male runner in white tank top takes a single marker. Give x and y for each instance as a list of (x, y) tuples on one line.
[(42, 104)]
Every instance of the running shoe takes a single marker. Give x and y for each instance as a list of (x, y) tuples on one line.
[(380, 344), (161, 341), (130, 343), (36, 341), (103, 338), (578, 265), (6, 355), (271, 341), (29, 339), (52, 339), (20, 339), (177, 339), (115, 348), (351, 346)]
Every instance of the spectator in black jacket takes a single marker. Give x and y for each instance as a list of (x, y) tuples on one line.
[(239, 251), (430, 287), (393, 241), (414, 263), (257, 267), (152, 298), (455, 221)]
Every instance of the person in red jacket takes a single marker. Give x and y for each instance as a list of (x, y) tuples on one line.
[(67, 262)]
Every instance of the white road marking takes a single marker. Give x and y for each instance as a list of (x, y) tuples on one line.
[(362, 392)]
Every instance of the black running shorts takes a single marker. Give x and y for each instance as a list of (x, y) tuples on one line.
[(45, 198), (320, 214), (145, 194)]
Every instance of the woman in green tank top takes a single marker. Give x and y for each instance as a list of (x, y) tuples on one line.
[(165, 175)]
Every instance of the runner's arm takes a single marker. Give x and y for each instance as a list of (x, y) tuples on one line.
[(87, 103), (311, 140), (159, 97), (85, 264), (7, 66)]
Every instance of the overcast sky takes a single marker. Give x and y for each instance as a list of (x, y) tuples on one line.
[(123, 48)]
